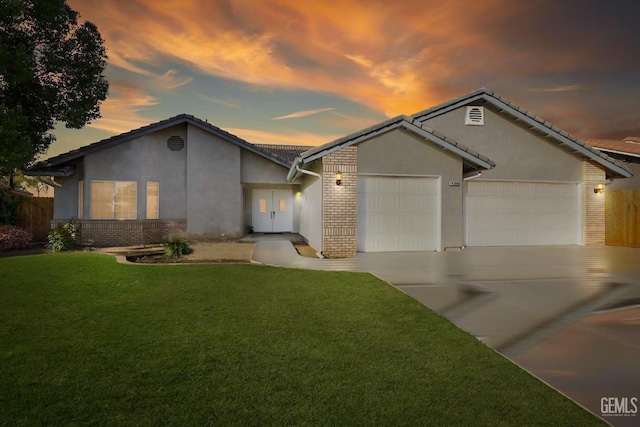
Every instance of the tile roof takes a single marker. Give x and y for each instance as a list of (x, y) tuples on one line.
[(535, 122), (288, 153), (279, 156), (633, 139), (614, 145)]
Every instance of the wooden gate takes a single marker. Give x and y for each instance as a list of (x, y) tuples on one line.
[(35, 216), (622, 218)]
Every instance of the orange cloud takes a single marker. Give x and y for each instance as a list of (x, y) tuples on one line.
[(121, 110), (394, 57)]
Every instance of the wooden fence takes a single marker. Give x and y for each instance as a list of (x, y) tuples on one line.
[(622, 218), (35, 216)]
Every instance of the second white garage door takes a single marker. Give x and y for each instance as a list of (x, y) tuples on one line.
[(398, 214), (522, 213)]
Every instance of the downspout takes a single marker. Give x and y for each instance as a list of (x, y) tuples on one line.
[(306, 172)]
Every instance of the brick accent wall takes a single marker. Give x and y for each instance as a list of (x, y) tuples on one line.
[(340, 204), (125, 233), (593, 222)]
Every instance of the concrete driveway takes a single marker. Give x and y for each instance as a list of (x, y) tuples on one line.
[(568, 314)]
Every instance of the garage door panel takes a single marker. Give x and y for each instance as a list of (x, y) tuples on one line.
[(397, 214), (522, 213)]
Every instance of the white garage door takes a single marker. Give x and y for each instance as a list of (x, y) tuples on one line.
[(397, 214), (522, 213)]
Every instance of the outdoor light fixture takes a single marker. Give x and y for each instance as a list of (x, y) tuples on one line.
[(599, 188), (338, 178)]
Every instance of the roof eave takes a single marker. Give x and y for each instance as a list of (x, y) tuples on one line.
[(537, 123)]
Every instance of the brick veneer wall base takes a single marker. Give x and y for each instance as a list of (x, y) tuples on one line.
[(125, 233), (340, 204), (593, 218)]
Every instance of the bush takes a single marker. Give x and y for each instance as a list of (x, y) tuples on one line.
[(176, 247), (12, 238), (9, 207), (62, 237)]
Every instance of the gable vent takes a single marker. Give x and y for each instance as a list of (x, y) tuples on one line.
[(175, 143), (474, 116)]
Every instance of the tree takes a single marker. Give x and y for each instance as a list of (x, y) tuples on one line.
[(51, 70)]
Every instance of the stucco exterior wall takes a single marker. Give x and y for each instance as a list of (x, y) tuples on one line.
[(142, 160), (401, 153), (519, 153), (311, 208), (65, 198), (214, 204), (257, 169)]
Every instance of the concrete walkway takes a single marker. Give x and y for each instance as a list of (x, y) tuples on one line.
[(546, 308)]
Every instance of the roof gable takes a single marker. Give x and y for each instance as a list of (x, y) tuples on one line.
[(404, 122), (54, 165), (534, 122)]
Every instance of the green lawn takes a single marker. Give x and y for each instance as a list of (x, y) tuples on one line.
[(84, 340)]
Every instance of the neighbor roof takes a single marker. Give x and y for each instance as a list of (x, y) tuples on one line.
[(633, 139), (288, 153), (57, 166), (534, 122), (615, 146), (16, 191), (469, 156)]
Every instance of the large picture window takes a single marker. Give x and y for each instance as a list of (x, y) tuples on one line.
[(153, 211), (113, 200)]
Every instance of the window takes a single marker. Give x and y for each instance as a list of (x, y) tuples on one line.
[(113, 200), (153, 210), (80, 198)]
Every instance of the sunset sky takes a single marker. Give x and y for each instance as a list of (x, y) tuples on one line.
[(307, 72)]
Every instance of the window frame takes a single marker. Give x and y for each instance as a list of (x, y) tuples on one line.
[(114, 200), (157, 202)]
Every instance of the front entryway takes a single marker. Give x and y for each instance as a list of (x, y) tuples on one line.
[(272, 211)]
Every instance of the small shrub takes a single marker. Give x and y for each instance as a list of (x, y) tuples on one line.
[(12, 238), (63, 237), (9, 207), (176, 247)]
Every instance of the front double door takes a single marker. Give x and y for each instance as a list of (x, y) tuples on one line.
[(272, 211)]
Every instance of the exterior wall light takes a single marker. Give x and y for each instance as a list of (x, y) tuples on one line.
[(599, 188), (338, 178)]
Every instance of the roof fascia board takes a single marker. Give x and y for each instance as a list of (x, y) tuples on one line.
[(558, 136), (233, 139), (293, 174), (446, 145), (608, 150), (447, 108), (350, 142), (162, 126), (498, 103)]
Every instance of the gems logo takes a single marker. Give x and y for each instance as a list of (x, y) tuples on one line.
[(619, 406)]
